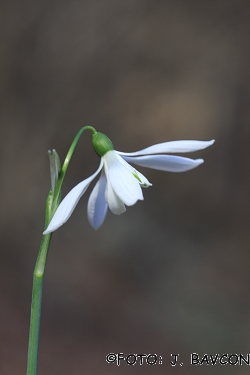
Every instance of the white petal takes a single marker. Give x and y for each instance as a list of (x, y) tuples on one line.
[(173, 146), (124, 183), (115, 204), (169, 163), (143, 181), (97, 206), (69, 203)]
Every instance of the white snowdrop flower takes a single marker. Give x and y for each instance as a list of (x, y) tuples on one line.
[(120, 184)]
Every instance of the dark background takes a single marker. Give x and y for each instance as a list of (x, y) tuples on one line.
[(171, 275)]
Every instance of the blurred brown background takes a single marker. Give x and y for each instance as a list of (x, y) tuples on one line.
[(171, 275)]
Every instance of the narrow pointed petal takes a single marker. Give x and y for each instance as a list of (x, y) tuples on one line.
[(69, 203), (168, 163), (115, 204), (173, 146), (124, 183), (97, 205)]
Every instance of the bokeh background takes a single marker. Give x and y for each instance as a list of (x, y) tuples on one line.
[(171, 275)]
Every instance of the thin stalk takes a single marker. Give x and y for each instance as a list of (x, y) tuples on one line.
[(36, 305), (52, 203), (66, 164)]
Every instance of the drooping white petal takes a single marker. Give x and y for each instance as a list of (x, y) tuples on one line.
[(69, 203), (125, 184), (114, 202), (173, 146), (143, 181), (97, 206), (168, 163)]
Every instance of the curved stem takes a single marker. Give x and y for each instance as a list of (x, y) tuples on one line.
[(65, 166), (52, 203)]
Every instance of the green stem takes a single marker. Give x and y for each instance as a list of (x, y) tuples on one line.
[(36, 305), (52, 203), (66, 163)]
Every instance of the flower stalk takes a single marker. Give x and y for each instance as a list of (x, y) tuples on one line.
[(36, 304), (52, 203), (66, 164)]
